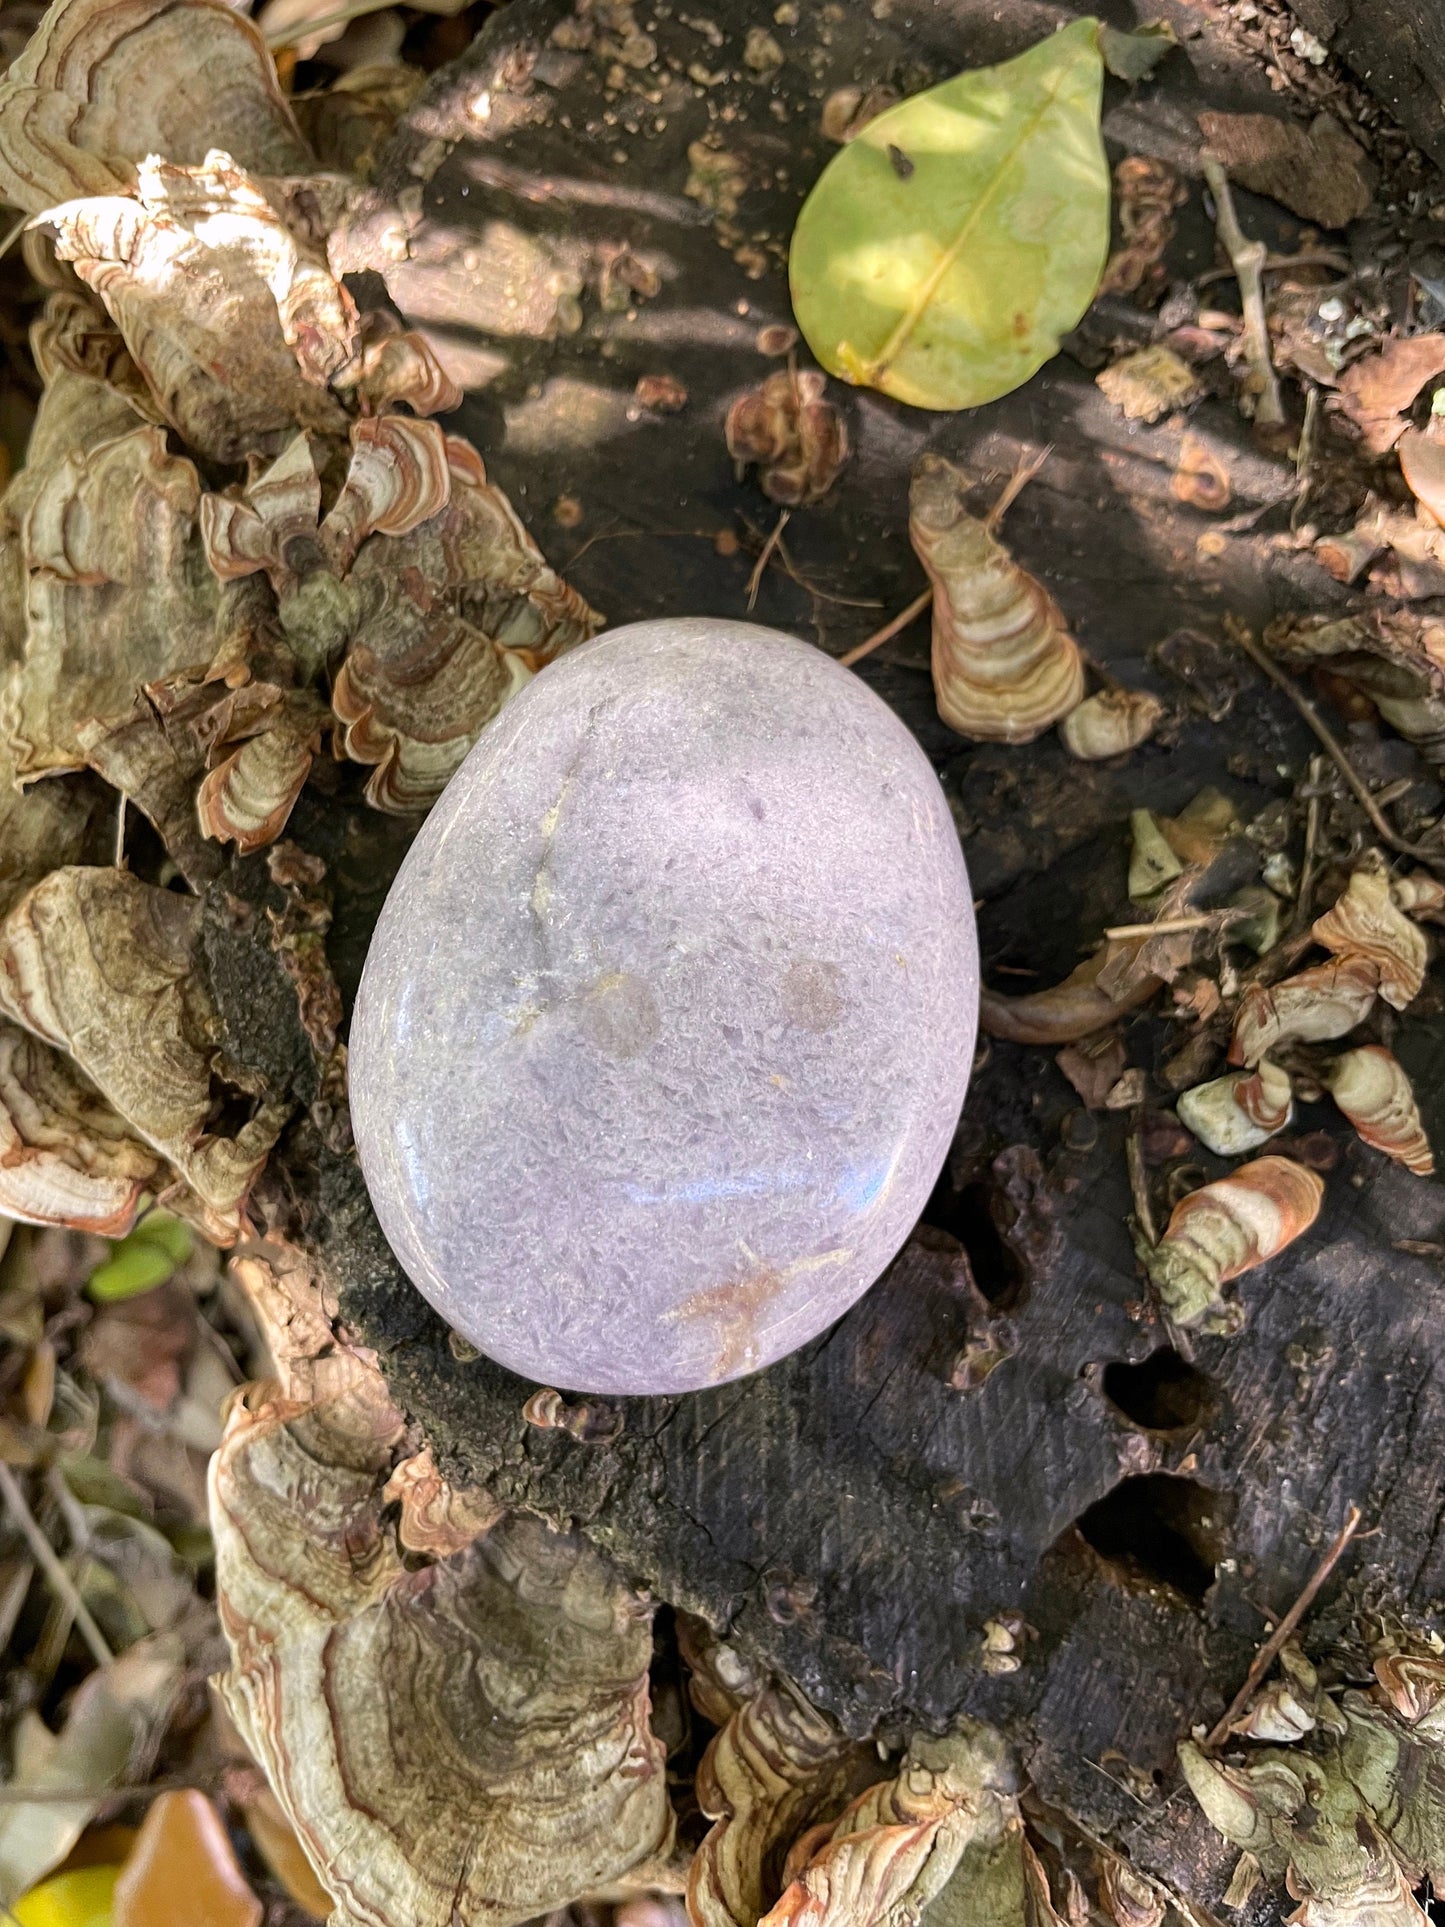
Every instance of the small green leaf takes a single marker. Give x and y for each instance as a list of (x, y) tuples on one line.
[(157, 1247), (944, 251), (1134, 56)]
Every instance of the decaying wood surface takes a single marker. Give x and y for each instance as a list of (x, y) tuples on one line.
[(863, 1515)]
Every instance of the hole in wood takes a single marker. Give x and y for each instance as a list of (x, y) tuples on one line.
[(1158, 1530), (969, 1216), (1163, 1393)]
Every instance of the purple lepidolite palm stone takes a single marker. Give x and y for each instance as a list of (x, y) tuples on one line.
[(667, 1021)]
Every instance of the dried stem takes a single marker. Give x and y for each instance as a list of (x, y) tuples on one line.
[(1025, 470), (1168, 926), (1269, 1652), (1336, 749), (755, 579), (1248, 259), (45, 1557), (889, 630), (1139, 1184), (1312, 836)]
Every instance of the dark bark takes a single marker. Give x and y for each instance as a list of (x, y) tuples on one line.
[(849, 1514), (1397, 47)]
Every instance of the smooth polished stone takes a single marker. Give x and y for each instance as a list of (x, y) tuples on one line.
[(666, 1023)]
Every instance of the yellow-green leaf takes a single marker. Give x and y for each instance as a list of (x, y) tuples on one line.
[(159, 1246), (79, 1899), (945, 250)]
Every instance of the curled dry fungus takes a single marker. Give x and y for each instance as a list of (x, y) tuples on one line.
[(419, 1803), (103, 967), (66, 1157), (951, 1812), (1226, 1228), (773, 1770), (1109, 723), (1394, 657), (450, 619), (100, 86), (1238, 1112), (1005, 667), (1350, 1816), (1421, 895), (234, 319), (1371, 1088), (1078, 1006), (248, 797), (788, 427), (103, 604), (1310, 1007), (797, 1841), (1367, 923)]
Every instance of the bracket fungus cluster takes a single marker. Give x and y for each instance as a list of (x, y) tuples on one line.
[(1344, 1807), (1377, 954), (420, 1801), (302, 556)]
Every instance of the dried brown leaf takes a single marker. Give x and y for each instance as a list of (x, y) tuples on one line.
[(66, 1158), (1378, 388), (1094, 1067), (100, 86), (232, 315), (183, 1865), (110, 1730), (1318, 172), (105, 967), (1394, 657), (1422, 463), (419, 1804)]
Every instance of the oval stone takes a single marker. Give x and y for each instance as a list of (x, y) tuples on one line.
[(667, 1020)]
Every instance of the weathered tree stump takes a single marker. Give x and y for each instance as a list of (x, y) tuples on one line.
[(849, 1515)]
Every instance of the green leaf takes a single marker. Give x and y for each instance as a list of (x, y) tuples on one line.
[(1134, 56), (944, 251), (157, 1247)]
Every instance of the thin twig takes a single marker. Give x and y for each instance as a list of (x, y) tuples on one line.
[(1336, 749), (811, 588), (1304, 455), (120, 832), (890, 629), (1024, 472), (1304, 893), (45, 1557), (1269, 1652), (1279, 263), (1167, 926), (755, 579), (1139, 1184), (1247, 258)]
